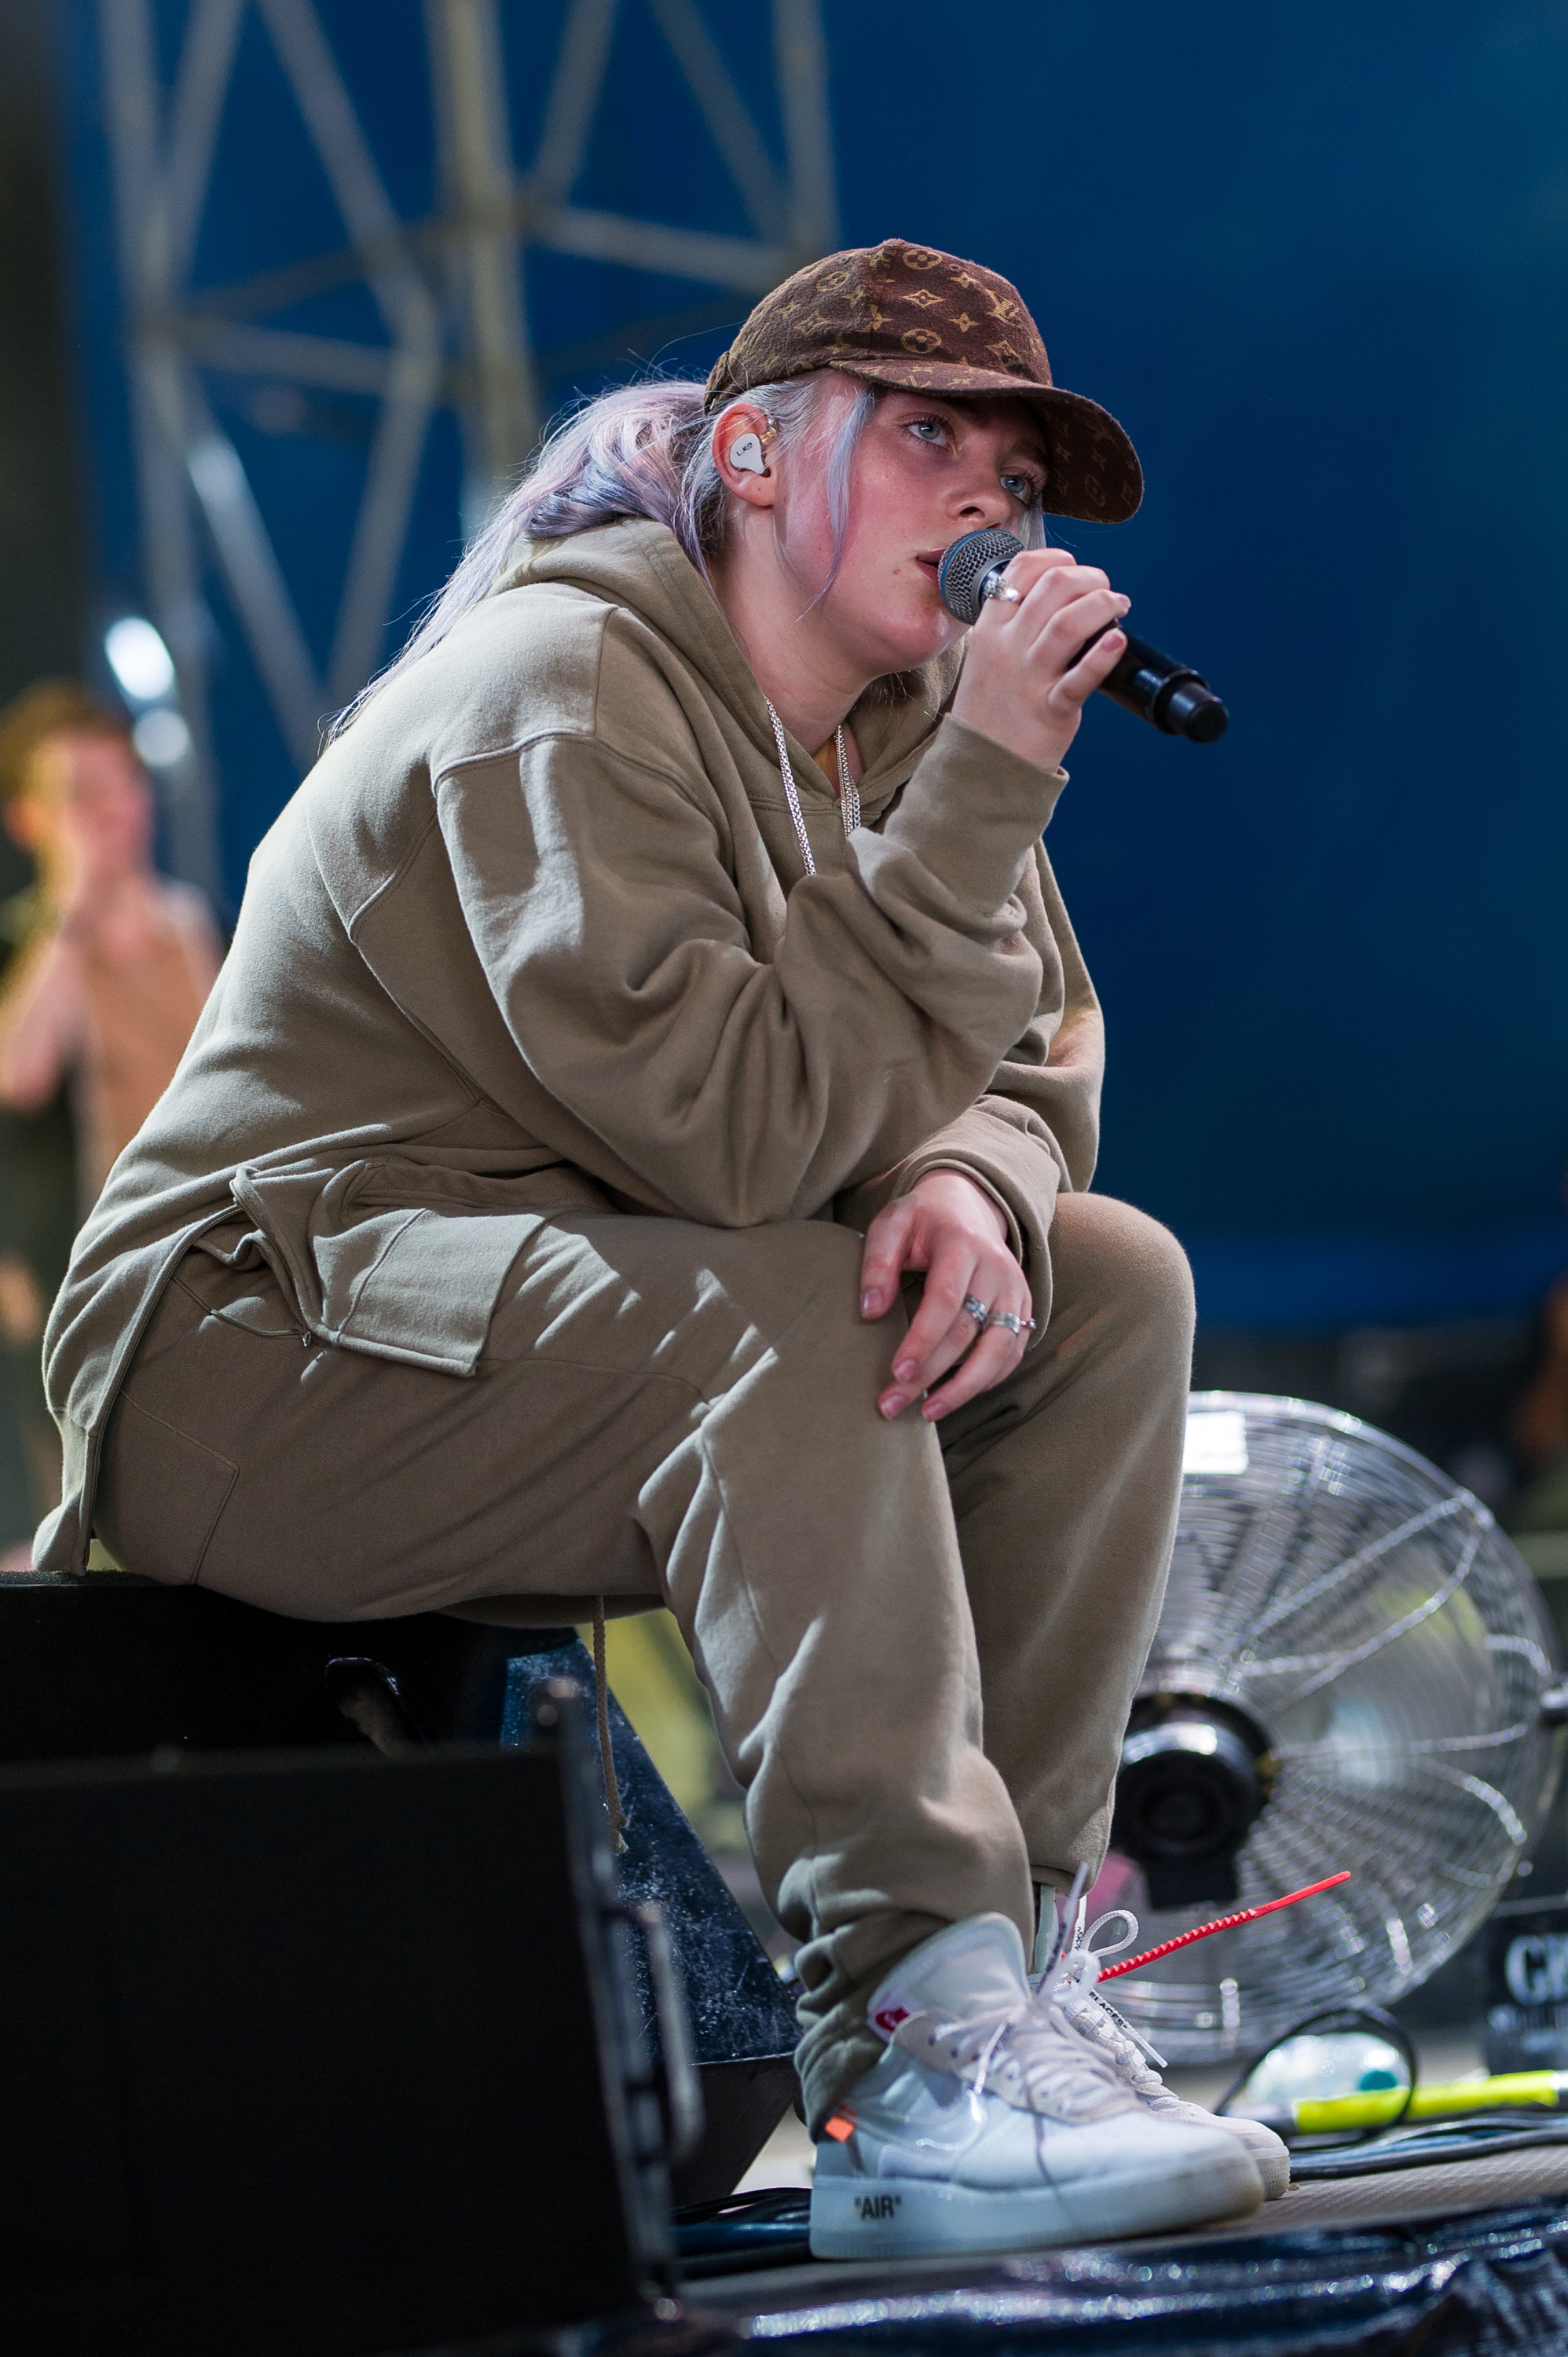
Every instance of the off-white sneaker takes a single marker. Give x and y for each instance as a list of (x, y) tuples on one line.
[(1077, 2003), (989, 2125)]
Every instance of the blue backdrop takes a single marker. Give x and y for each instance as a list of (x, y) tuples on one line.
[(1315, 262)]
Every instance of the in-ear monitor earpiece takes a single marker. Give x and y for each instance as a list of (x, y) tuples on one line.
[(745, 455)]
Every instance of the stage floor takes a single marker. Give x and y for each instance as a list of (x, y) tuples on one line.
[(1402, 2198)]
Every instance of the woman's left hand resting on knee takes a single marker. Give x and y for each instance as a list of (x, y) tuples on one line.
[(954, 1231)]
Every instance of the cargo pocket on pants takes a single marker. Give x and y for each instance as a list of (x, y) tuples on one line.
[(160, 1494)]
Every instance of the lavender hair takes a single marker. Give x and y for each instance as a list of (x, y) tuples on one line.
[(641, 450), (645, 450)]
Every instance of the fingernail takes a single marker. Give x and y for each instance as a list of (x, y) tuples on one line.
[(903, 1369), (892, 1404), (933, 1411), (1125, 605), (869, 1304)]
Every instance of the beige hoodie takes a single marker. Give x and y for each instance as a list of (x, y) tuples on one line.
[(521, 941)]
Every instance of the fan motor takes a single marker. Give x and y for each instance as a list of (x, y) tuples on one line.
[(1195, 1775)]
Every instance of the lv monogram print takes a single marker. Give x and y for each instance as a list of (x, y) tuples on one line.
[(911, 316)]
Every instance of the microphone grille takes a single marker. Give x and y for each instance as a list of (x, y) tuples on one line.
[(966, 564)]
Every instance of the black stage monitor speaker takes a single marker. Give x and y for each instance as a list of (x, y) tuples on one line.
[(113, 1667), (323, 2054)]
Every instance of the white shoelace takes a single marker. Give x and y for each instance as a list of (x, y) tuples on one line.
[(1070, 1987), (1081, 2004), (1032, 2061)]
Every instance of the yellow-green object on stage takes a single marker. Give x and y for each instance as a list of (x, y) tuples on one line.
[(1378, 2106)]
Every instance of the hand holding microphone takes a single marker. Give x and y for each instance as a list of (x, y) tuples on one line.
[(1046, 639)]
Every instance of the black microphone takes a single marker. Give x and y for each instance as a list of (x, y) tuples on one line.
[(1168, 694)]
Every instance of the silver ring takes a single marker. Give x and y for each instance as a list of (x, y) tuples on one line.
[(975, 1309), (1013, 1325), (1008, 595)]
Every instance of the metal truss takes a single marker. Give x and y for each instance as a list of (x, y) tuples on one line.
[(449, 291)]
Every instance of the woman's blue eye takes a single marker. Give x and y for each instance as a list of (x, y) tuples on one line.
[(1021, 488), (929, 426)]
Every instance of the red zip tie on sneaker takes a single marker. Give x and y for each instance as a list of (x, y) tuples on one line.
[(1225, 1923)]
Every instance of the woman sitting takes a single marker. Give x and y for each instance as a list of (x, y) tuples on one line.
[(637, 1150)]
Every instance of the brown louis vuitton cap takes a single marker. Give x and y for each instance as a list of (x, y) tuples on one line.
[(907, 316)]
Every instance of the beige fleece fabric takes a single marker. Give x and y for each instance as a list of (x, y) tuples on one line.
[(541, 1099), (518, 942), (921, 1642)]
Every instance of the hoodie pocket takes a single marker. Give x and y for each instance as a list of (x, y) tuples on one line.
[(419, 1286), (414, 1282)]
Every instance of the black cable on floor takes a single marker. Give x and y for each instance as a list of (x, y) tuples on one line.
[(766, 2229), (1434, 2141)]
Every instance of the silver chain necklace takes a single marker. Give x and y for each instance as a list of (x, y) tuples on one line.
[(849, 794)]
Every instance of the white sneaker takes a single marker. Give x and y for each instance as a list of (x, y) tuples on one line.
[(990, 2125), (1077, 2001)]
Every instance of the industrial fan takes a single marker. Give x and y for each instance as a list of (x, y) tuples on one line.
[(1352, 1669)]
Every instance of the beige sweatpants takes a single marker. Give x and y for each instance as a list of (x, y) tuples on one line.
[(921, 1642)]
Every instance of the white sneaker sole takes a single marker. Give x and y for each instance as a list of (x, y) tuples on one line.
[(914, 2217)]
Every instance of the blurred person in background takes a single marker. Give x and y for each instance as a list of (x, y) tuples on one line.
[(109, 966), (114, 961)]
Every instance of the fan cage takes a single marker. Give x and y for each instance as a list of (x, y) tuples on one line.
[(1369, 1616)]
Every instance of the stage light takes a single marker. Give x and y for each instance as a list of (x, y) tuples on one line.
[(139, 660), (161, 738)]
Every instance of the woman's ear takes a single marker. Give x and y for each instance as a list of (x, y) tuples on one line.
[(741, 438)]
